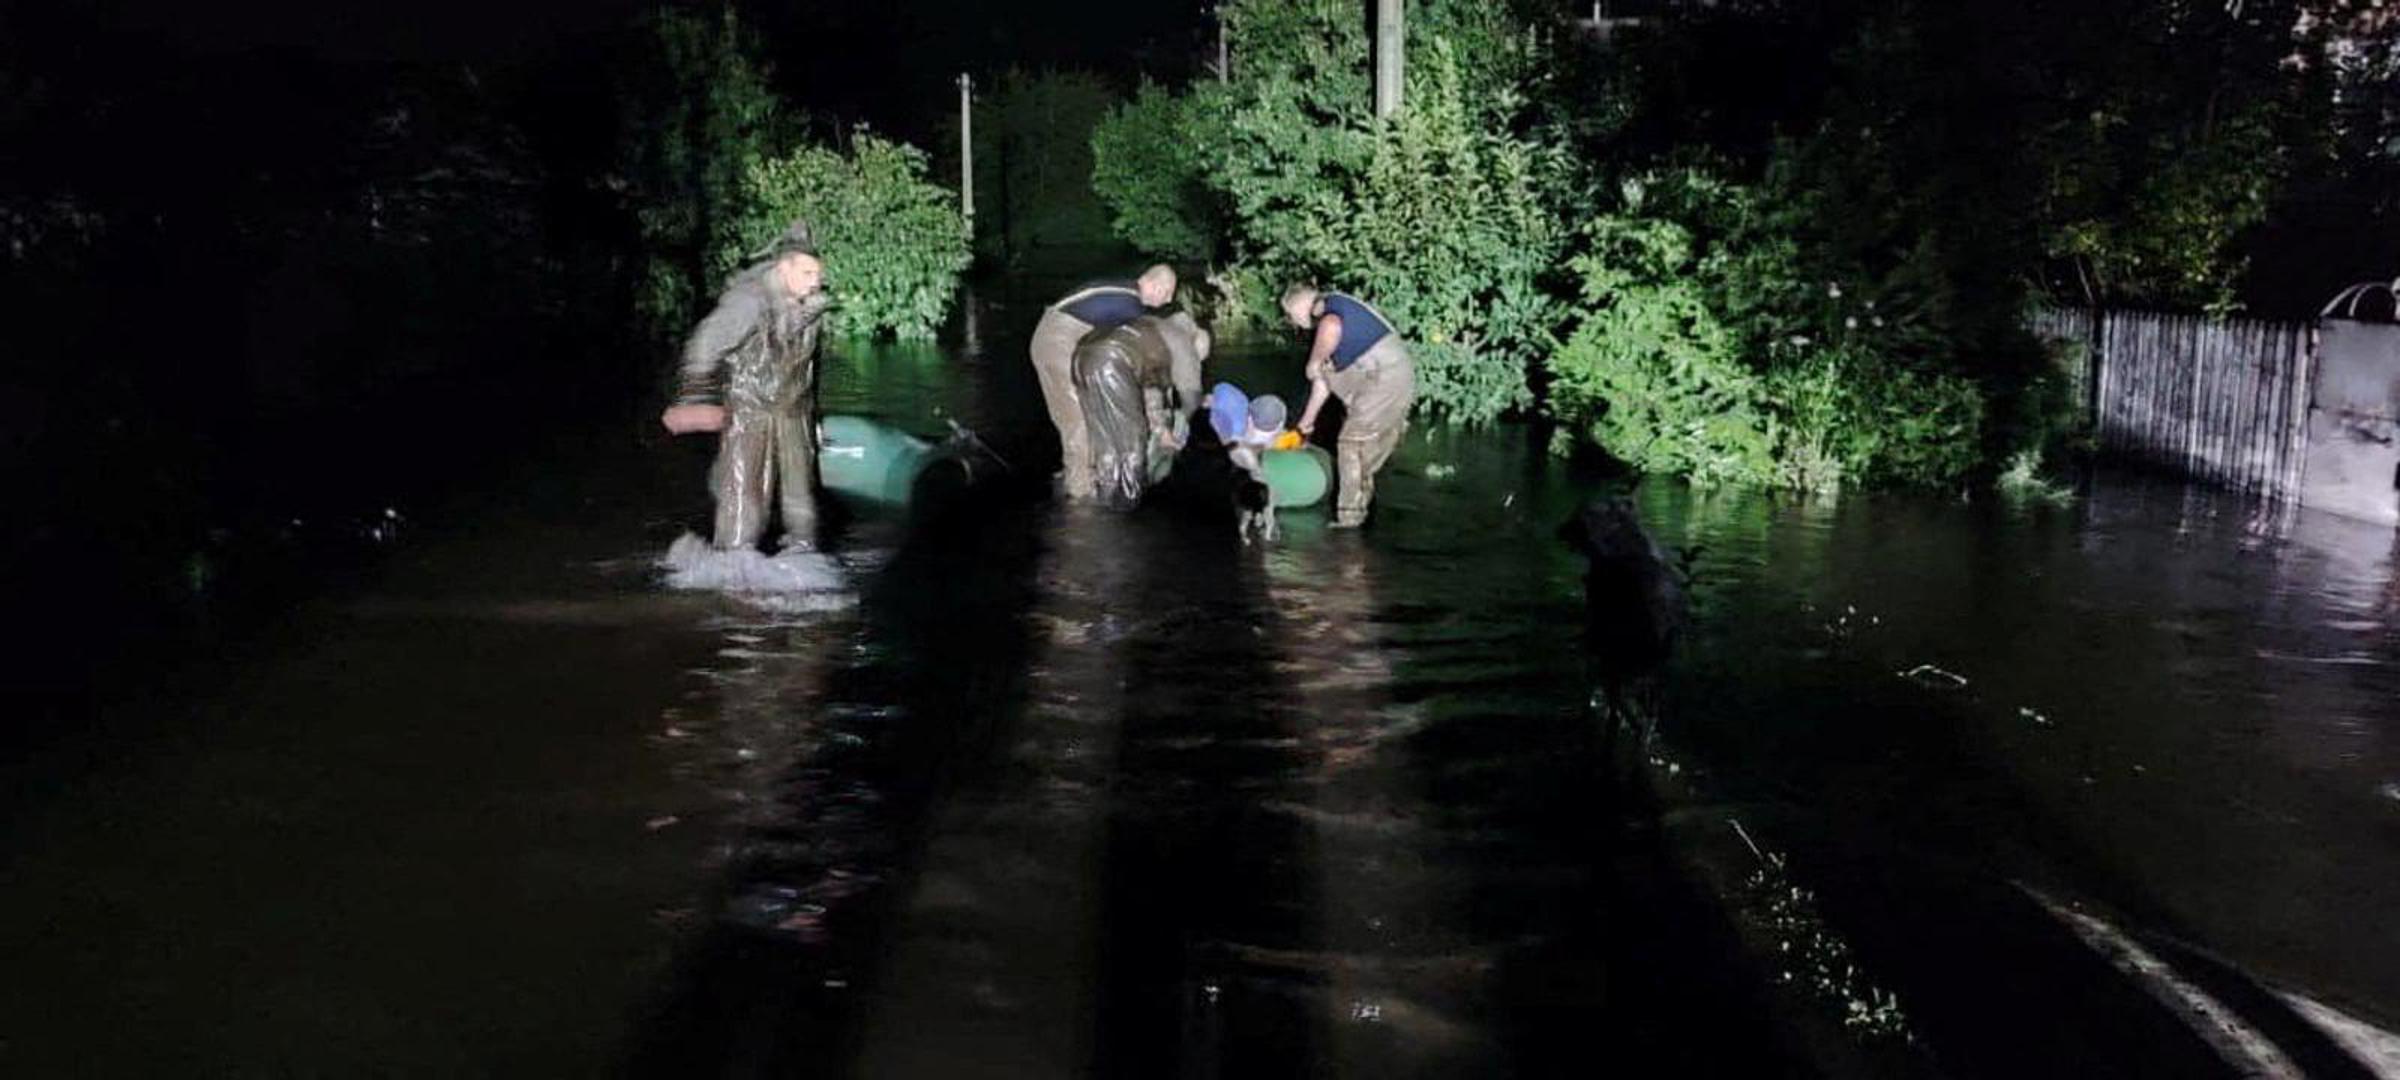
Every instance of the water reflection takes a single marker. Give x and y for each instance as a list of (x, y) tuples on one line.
[(1082, 792), (2162, 704)]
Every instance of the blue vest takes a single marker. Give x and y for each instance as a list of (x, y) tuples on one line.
[(1103, 304), (1362, 327)]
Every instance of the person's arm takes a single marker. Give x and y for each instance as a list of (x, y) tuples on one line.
[(1161, 416), (700, 377), (1320, 364)]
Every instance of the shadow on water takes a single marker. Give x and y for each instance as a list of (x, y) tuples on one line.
[(856, 724), (1114, 795)]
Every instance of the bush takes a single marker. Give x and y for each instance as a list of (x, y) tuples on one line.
[(1649, 372), (1146, 167), (1660, 372), (1443, 218), (1851, 416), (1450, 235), (1446, 218), (894, 243)]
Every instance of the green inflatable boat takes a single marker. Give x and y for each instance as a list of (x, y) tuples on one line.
[(871, 461), (1297, 477)]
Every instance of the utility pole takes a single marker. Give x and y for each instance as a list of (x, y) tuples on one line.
[(1391, 39), (1224, 58), (966, 149)]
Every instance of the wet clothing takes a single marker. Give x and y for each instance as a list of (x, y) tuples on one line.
[(1363, 327), (1228, 411), (756, 354), (1053, 349), (1376, 391), (1096, 306), (1136, 385), (1055, 338), (1103, 304)]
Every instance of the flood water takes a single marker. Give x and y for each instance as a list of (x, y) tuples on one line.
[(1037, 790)]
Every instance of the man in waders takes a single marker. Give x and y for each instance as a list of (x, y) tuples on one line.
[(1138, 384), (1353, 354), (1099, 305), (750, 371)]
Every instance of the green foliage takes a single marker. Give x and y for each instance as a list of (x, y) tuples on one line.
[(1445, 218), (1699, 350), (1799, 312), (1451, 233), (2166, 237), (1649, 372), (2025, 482), (700, 111), (893, 242), (1146, 167), (1877, 422)]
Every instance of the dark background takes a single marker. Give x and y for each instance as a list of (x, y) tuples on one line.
[(296, 268), (293, 266)]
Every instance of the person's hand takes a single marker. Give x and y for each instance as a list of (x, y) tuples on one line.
[(686, 419), (1306, 428)]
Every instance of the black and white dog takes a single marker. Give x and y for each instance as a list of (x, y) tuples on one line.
[(1254, 505)]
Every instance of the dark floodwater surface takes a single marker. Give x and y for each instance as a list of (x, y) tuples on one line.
[(1042, 791)]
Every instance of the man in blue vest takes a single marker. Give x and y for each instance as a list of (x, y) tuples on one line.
[(1355, 355), (1100, 305)]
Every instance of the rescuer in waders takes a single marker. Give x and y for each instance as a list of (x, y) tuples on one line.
[(750, 372), (1099, 305), (1354, 355), (1137, 385)]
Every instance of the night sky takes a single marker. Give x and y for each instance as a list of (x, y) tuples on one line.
[(885, 63)]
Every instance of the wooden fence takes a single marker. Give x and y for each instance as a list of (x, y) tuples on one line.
[(2223, 400)]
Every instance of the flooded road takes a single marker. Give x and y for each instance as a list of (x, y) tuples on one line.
[(1033, 790)]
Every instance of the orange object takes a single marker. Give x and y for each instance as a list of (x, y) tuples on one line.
[(1289, 440)]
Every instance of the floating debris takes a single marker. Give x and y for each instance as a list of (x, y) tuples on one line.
[(1850, 621), (2040, 720), (1811, 955), (1929, 675), (1439, 471)]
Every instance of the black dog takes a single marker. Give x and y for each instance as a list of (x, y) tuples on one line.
[(1635, 610)]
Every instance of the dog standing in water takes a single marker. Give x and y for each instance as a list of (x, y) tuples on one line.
[(1253, 509), (1635, 612), (1249, 432)]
